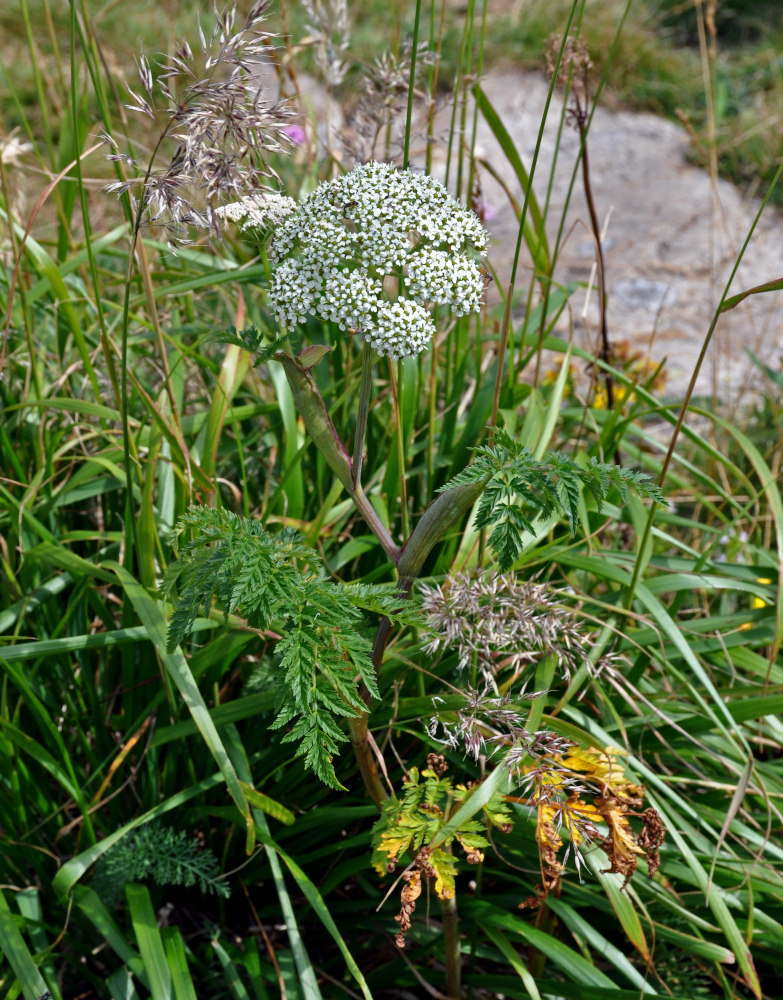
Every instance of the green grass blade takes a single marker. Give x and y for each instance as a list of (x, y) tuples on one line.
[(568, 961), (17, 953), (154, 620), (60, 294), (478, 798), (621, 901), (251, 962), (121, 986), (692, 945), (720, 910), (93, 907), (69, 405), (153, 954), (545, 672), (291, 443), (535, 234), (73, 644), (573, 991), (231, 711), (767, 286), (233, 369), (508, 951), (27, 745), (554, 403), (233, 980), (77, 866), (274, 809), (177, 962), (307, 979), (31, 908), (769, 485), (583, 929), (77, 261)]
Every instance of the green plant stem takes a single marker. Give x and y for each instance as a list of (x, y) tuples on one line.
[(375, 524), (400, 450), (97, 298), (606, 349), (358, 729), (411, 87), (436, 45), (441, 515), (33, 373), (466, 70), (472, 189), (360, 434), (43, 103), (506, 322), (128, 448), (451, 947), (432, 410), (638, 565), (313, 411)]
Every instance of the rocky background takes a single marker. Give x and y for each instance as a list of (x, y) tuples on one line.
[(672, 235)]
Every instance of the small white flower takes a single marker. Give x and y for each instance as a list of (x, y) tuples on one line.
[(403, 329), (335, 250), (262, 210)]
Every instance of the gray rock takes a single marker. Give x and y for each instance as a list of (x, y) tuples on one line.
[(672, 236), (639, 293)]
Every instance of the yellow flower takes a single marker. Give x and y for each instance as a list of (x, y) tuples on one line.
[(551, 376), (601, 398), (755, 603)]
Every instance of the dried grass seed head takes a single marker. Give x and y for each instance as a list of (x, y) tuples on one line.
[(330, 34), (487, 722), (215, 129), (383, 96), (503, 623), (575, 63)]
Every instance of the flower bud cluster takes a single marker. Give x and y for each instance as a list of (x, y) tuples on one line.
[(378, 223)]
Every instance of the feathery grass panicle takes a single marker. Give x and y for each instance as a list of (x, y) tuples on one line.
[(487, 721), (94, 744), (330, 35), (384, 93), (502, 623), (575, 64), (216, 130)]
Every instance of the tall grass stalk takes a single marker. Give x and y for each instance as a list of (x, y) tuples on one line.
[(509, 295)]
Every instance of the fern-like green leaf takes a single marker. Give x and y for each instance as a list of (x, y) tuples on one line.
[(274, 582), (159, 854), (252, 339), (384, 599), (319, 738), (520, 489)]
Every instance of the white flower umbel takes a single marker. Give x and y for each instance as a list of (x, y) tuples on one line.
[(262, 210), (372, 251)]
